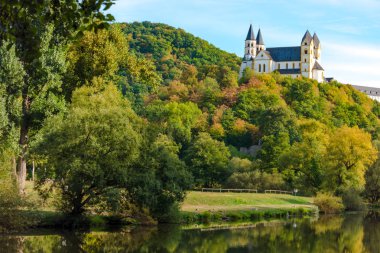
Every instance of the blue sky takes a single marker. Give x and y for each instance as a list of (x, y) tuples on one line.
[(349, 30)]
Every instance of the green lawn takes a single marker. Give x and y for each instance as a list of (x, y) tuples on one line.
[(215, 201)]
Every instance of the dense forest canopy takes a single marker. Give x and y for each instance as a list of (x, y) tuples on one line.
[(142, 112)]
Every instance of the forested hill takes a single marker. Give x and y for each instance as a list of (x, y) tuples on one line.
[(300, 132), (171, 48)]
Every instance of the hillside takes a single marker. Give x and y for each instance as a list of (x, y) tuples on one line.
[(277, 117), (172, 48)]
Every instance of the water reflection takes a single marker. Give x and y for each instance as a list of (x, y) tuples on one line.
[(350, 233)]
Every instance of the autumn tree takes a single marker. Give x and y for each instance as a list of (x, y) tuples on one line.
[(350, 153)]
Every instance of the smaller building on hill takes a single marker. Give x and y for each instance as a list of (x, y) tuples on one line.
[(372, 92), (303, 60)]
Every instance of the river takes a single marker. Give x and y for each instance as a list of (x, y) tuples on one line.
[(347, 233)]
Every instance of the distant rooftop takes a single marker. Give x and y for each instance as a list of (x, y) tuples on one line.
[(372, 91), (280, 54)]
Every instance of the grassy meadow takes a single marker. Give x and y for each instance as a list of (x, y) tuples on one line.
[(226, 201)]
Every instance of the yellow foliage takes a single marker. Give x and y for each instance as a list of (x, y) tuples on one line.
[(328, 203), (217, 130), (350, 153)]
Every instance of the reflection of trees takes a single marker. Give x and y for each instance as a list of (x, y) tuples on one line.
[(372, 232), (11, 243), (352, 233), (328, 223)]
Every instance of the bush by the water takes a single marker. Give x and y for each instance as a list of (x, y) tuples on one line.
[(352, 200), (328, 203)]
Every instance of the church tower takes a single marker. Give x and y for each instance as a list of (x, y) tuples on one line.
[(317, 47), (250, 45), (307, 55), (259, 42)]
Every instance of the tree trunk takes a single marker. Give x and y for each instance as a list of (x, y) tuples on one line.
[(77, 206), (23, 142), (33, 168), (14, 168), (21, 171)]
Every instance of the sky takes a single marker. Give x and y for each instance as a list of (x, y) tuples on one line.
[(349, 31)]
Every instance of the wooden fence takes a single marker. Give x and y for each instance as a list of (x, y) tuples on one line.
[(228, 190), (278, 192)]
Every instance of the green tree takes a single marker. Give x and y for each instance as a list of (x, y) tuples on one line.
[(228, 78), (208, 160), (176, 119), (303, 96), (105, 54), (160, 179), (372, 179), (31, 27), (91, 148), (246, 76), (303, 164)]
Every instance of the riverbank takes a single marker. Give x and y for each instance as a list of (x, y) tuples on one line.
[(226, 206), (197, 208)]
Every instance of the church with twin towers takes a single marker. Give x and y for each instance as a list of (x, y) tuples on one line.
[(303, 60)]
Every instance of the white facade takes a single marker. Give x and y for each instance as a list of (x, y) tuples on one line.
[(371, 92), (303, 60)]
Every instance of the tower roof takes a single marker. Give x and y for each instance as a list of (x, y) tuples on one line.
[(316, 40), (317, 66), (307, 37), (250, 35), (259, 38)]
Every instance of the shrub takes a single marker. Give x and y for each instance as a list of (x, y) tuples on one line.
[(328, 203), (206, 217), (11, 218), (353, 201), (256, 180)]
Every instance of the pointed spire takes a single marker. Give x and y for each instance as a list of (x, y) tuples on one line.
[(307, 37), (259, 38), (316, 40), (250, 35)]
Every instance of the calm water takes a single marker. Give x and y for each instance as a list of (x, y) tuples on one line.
[(350, 233)]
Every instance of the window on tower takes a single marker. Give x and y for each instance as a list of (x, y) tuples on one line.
[(305, 51)]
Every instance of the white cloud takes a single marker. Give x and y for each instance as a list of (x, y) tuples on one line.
[(354, 63)]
